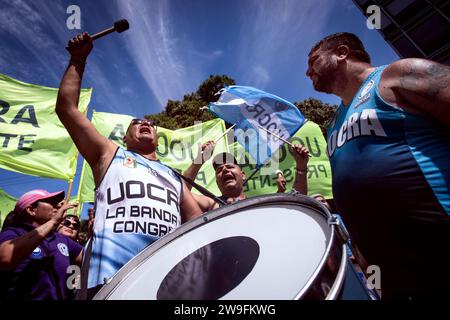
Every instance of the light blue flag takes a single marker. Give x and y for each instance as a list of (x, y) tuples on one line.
[(256, 112)]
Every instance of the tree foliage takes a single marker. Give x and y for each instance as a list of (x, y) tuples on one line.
[(181, 114), (318, 112)]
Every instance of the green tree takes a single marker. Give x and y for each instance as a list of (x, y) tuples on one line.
[(181, 114), (318, 112), (207, 90)]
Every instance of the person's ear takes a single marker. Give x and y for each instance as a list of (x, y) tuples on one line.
[(30, 211), (342, 52)]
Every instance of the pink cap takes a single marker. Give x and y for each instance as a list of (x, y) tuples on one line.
[(32, 196)]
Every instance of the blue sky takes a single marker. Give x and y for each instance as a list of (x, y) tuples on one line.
[(171, 47)]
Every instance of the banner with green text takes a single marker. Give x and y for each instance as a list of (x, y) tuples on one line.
[(176, 148), (32, 139), (319, 171)]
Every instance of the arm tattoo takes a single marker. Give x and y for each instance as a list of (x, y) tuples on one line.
[(427, 79)]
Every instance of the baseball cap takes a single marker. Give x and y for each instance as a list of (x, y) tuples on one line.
[(223, 158), (32, 196)]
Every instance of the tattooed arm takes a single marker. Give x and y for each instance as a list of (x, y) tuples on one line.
[(421, 85)]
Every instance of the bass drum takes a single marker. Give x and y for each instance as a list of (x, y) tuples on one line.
[(276, 247)]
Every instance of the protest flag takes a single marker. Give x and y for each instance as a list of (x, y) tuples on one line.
[(261, 119)]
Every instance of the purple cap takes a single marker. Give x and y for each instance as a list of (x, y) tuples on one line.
[(32, 196)]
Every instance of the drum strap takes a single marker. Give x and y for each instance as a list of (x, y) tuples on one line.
[(201, 189)]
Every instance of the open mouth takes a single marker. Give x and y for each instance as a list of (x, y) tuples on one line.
[(227, 178), (144, 130)]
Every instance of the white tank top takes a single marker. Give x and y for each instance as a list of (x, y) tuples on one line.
[(137, 202)]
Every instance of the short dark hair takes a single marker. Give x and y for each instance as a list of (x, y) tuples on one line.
[(333, 41)]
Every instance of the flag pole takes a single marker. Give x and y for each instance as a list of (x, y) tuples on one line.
[(252, 174), (223, 134), (69, 191), (275, 135), (282, 139)]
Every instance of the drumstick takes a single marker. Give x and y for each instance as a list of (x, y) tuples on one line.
[(282, 139)]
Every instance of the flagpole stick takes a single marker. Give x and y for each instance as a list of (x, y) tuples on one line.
[(69, 191), (223, 134), (251, 175), (275, 135)]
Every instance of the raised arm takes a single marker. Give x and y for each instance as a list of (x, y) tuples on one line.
[(205, 152), (301, 156), (422, 84), (14, 251), (96, 149), (189, 207)]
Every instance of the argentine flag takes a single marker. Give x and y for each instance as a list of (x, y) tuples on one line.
[(256, 112)]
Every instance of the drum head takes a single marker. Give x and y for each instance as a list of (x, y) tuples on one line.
[(266, 248)]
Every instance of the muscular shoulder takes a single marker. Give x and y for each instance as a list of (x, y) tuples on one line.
[(410, 83), (406, 73)]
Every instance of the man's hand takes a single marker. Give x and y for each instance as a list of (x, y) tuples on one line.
[(281, 182), (80, 46), (301, 156), (205, 152)]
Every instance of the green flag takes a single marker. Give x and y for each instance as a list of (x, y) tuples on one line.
[(319, 171), (176, 148), (7, 204), (33, 141)]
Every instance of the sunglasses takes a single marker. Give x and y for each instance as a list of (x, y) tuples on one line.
[(150, 122), (69, 224)]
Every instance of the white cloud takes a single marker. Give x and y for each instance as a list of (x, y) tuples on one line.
[(153, 45), (29, 27), (260, 76), (272, 30), (40, 29), (126, 90)]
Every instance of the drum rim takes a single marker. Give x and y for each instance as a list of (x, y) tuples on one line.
[(108, 289)]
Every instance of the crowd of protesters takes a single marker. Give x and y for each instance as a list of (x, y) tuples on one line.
[(386, 178)]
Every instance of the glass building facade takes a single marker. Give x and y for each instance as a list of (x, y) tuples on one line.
[(414, 28)]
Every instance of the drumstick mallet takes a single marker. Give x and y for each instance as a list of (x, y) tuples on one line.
[(119, 26)]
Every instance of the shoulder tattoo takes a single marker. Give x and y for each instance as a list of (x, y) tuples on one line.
[(426, 78)]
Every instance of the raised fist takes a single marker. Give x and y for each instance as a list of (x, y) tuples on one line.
[(205, 152), (80, 46), (301, 156)]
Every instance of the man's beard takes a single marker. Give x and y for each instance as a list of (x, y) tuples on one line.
[(326, 79)]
